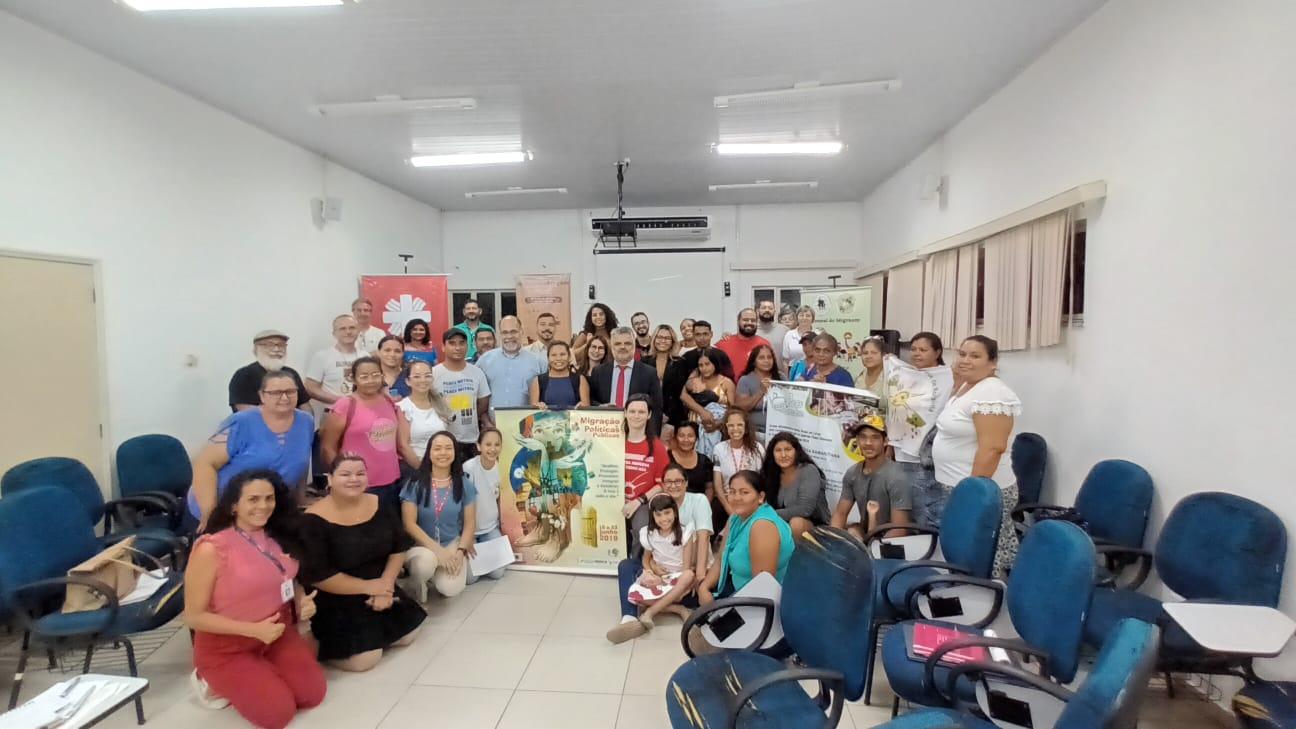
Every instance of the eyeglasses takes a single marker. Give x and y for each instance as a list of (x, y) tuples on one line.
[(279, 394), (673, 482)]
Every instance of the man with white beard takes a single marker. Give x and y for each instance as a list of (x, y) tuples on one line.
[(270, 347)]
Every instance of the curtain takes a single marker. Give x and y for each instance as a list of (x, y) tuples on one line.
[(1007, 287), (1050, 248), (905, 299), (875, 309), (940, 294), (965, 324)]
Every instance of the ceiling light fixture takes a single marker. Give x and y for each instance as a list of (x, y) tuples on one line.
[(157, 5), (767, 148), (763, 184), (382, 105), (469, 158), (809, 89), (517, 191)]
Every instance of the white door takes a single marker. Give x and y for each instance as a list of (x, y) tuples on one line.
[(667, 287), (51, 363)]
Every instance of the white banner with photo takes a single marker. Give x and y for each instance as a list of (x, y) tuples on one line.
[(821, 416)]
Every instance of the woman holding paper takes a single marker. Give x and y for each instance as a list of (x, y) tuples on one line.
[(243, 602), (439, 511), (916, 395), (482, 472)]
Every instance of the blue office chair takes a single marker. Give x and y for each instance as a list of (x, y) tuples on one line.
[(72, 476), (1047, 596), (1029, 460), (1113, 505), (825, 610), (33, 579), (155, 465), (969, 531), (1109, 698), (1213, 547)]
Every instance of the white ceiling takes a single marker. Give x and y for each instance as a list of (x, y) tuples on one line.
[(584, 83)]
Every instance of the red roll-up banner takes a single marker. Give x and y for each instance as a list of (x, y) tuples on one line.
[(398, 298)]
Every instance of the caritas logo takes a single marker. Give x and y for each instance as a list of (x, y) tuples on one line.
[(399, 312)]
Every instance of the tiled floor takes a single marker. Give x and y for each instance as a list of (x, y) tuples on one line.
[(526, 652)]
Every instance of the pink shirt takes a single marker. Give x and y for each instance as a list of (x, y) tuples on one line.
[(372, 436), (247, 583)]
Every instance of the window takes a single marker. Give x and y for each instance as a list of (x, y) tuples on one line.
[(494, 304), (789, 297), (1076, 277)]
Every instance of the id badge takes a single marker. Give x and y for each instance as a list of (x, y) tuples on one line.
[(286, 590)]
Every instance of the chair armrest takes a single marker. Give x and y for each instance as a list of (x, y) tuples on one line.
[(884, 530), (26, 599), (937, 564), (1015, 673), (1144, 557), (702, 615), (925, 586), (140, 502), (831, 681), (1010, 644), (176, 544)]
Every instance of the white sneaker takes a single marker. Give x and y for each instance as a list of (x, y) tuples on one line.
[(204, 693)]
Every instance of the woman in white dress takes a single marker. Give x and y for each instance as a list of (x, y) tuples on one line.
[(973, 432)]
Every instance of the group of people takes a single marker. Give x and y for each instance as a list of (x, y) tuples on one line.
[(403, 436)]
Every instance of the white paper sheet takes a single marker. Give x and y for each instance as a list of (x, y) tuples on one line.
[(492, 554)]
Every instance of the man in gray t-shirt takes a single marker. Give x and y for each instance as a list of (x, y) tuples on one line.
[(876, 484)]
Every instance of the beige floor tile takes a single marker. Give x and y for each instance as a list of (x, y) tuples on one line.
[(518, 582), (583, 665), (510, 613), (651, 665), (666, 628), (349, 705), (443, 706), (399, 666), (588, 617), (592, 586), (549, 710), (480, 660), (866, 717), (642, 712), (450, 613)]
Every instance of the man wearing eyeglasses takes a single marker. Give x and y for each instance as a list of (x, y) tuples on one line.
[(270, 350)]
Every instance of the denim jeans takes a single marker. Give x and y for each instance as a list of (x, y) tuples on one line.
[(928, 495), (483, 537)]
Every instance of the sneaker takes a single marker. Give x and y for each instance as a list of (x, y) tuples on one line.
[(204, 693), (628, 630)]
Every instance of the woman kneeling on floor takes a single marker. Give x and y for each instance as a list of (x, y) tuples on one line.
[(439, 511), (354, 551), (242, 602)]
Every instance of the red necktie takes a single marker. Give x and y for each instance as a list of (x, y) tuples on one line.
[(617, 382)]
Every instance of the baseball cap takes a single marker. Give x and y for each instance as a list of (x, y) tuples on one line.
[(872, 420), (268, 334), (452, 333)]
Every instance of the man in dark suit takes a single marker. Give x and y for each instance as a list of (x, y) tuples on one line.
[(614, 382)]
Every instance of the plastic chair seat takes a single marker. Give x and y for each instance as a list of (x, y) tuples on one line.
[(161, 608), (1266, 705), (936, 719), (1110, 606), (906, 675), (702, 693)]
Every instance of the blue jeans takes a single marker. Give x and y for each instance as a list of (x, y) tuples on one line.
[(482, 537), (628, 570), (928, 496)]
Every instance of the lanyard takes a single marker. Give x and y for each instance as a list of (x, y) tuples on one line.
[(440, 497), (273, 559)]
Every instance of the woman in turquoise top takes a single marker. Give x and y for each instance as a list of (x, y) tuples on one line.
[(759, 541)]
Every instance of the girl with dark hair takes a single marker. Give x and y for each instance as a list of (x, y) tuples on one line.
[(391, 357), (354, 549), (482, 473), (796, 483), (698, 467), (667, 574), (243, 602), (762, 369), (597, 351), (439, 511), (559, 387), (418, 342), (740, 451), (599, 322), (909, 423), (368, 423), (645, 461), (973, 432)]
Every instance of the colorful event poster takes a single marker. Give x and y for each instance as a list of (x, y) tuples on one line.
[(398, 298), (844, 313), (821, 416), (538, 293), (562, 477)]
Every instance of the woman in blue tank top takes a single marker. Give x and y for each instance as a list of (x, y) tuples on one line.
[(758, 541), (560, 388)]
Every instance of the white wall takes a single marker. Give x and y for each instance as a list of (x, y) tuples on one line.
[(487, 249), (200, 221), (1185, 108)]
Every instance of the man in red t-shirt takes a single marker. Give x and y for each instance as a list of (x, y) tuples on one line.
[(738, 346)]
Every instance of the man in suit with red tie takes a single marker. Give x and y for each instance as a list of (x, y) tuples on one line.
[(614, 382)]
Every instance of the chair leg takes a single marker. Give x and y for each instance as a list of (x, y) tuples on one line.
[(868, 670), (895, 707), (85, 668), (18, 673), (53, 662), (1169, 684), (134, 672)]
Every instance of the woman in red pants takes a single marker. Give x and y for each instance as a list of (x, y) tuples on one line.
[(243, 602)]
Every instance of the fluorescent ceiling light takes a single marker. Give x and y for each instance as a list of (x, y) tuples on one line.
[(469, 158), (517, 191), (762, 148), (394, 105), (152, 5), (759, 184), (809, 90)]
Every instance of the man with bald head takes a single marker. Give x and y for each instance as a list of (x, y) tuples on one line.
[(510, 368), (738, 347)]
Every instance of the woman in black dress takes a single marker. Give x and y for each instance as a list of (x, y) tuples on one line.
[(355, 549)]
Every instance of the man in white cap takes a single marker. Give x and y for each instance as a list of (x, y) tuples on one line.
[(270, 348)]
